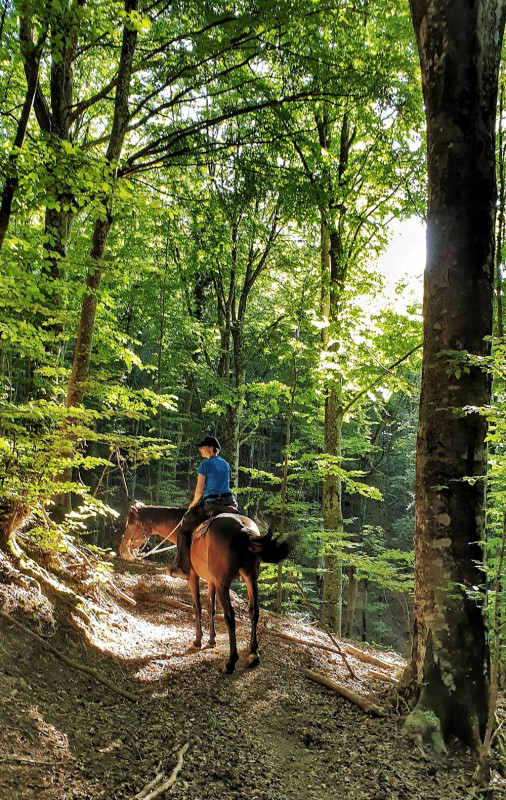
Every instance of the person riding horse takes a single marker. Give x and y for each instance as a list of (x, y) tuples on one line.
[(212, 496)]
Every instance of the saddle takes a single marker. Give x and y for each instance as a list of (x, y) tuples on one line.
[(202, 529)]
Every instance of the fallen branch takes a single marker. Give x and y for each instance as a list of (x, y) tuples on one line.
[(370, 659), (353, 697), (310, 643), (121, 594), (66, 659), (149, 792), (144, 596), (26, 760), (325, 628), (382, 677), (146, 790)]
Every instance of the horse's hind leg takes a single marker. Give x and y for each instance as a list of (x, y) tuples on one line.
[(212, 611), (252, 587), (193, 582), (228, 611)]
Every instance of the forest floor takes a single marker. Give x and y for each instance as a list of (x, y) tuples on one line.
[(268, 733)]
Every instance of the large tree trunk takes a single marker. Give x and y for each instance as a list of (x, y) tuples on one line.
[(460, 46)]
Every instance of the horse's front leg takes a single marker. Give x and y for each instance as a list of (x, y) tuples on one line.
[(212, 611), (228, 611), (252, 587), (193, 583)]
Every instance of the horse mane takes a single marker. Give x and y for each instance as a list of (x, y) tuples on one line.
[(157, 514)]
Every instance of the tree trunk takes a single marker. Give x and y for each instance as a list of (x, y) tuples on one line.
[(31, 56), (82, 354), (500, 219), (460, 47), (331, 492), (333, 278), (332, 595)]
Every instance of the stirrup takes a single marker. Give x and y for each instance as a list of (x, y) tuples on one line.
[(178, 572)]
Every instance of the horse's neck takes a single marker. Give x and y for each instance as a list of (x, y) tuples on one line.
[(163, 520)]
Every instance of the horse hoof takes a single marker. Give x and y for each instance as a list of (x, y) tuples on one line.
[(197, 644), (253, 660), (230, 665), (211, 643)]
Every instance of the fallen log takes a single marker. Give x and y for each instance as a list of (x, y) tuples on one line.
[(362, 702)]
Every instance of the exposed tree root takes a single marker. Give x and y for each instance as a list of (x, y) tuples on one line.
[(152, 790), (29, 568), (81, 667)]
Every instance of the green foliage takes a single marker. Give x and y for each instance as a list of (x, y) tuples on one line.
[(210, 299)]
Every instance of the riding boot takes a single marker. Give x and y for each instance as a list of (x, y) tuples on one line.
[(182, 563)]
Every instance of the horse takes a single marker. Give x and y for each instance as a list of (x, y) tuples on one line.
[(224, 547)]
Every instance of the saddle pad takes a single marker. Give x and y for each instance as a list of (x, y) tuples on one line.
[(201, 530)]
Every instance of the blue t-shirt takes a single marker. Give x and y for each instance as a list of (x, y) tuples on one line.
[(217, 474)]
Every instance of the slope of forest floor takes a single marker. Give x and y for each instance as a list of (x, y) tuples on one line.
[(264, 734)]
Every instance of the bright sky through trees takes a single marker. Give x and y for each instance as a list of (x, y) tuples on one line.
[(405, 256)]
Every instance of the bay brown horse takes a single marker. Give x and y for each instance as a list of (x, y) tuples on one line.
[(227, 546)]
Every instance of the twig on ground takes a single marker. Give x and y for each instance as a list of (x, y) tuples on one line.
[(120, 593), (148, 793), (158, 777)]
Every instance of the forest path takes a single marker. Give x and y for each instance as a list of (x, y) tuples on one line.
[(267, 733)]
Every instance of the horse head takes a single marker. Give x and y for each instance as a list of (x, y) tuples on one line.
[(135, 534)]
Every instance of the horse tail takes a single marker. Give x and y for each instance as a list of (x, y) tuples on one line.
[(269, 549)]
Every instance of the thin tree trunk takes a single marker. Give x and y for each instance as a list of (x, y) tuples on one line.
[(500, 219), (284, 477), (334, 269)]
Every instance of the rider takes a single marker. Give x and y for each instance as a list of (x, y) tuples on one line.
[(212, 496)]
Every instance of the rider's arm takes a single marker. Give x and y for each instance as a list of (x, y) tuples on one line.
[(199, 490)]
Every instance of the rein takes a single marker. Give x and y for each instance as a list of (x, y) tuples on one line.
[(158, 547)]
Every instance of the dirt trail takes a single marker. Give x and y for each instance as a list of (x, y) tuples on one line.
[(267, 733)]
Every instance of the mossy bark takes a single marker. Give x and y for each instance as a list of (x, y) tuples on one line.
[(460, 47)]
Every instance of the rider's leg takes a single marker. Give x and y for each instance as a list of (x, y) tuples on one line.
[(182, 562)]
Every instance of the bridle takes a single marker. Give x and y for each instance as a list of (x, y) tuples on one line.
[(147, 533)]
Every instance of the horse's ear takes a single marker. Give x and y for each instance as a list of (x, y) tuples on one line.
[(136, 505), (134, 511)]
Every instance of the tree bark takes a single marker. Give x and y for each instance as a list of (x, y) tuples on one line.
[(460, 46), (31, 53)]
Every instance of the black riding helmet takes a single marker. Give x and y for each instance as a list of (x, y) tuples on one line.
[(210, 441)]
